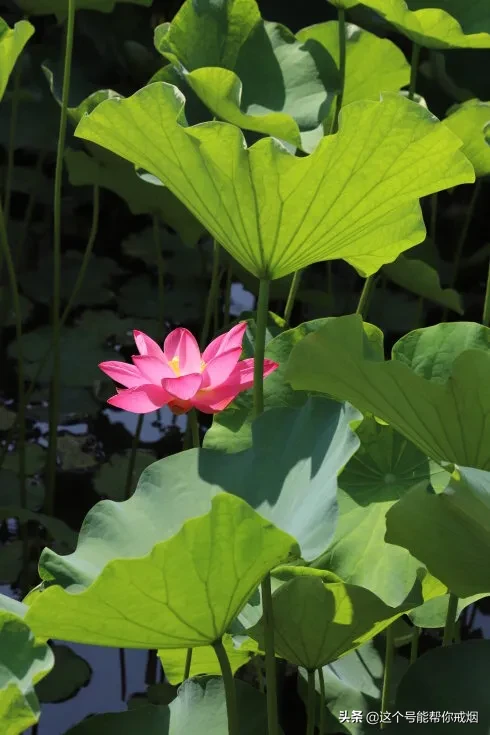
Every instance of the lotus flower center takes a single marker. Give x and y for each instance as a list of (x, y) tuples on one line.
[(174, 364)]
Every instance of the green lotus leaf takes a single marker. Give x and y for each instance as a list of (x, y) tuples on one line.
[(432, 614), (114, 173), (372, 65), (184, 593), (439, 24), (306, 447), (435, 688), (383, 469), (468, 122), (317, 622), (392, 152), (205, 33), (70, 673), (448, 531), (290, 104), (432, 389), (199, 709), (60, 7), (231, 430), (422, 279), (23, 662), (204, 660), (12, 42)]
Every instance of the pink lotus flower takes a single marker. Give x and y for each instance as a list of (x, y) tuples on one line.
[(180, 377)]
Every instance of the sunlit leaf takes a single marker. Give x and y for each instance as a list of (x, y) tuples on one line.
[(204, 660), (468, 121), (12, 42), (386, 155)]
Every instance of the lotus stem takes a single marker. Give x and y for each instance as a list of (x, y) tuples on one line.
[(486, 304), (21, 402), (132, 456), (262, 313), (11, 144), (310, 707), (270, 658), (366, 296), (230, 691), (462, 238), (414, 68), (342, 60), (321, 725), (451, 616), (293, 290), (388, 672), (194, 424), (188, 662), (58, 180), (227, 305), (414, 646), (160, 274), (212, 296)]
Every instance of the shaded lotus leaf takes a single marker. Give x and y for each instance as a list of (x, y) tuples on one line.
[(70, 673), (12, 42), (113, 172), (439, 24), (110, 480), (199, 708), (7, 418), (10, 562), (290, 102), (83, 346), (139, 297), (184, 593), (373, 65), (231, 430), (434, 684), (304, 448), (75, 453), (37, 284), (422, 279), (434, 386), (432, 614), (57, 528), (363, 215), (468, 121), (204, 660), (34, 459), (316, 623), (60, 7), (382, 470), (448, 531), (24, 661)]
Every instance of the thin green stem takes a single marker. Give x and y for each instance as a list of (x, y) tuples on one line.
[(227, 304), (122, 673), (310, 707), (262, 314), (212, 296), (11, 144), (160, 273), (58, 181), (414, 646), (486, 304), (229, 685), (293, 290), (21, 402), (270, 658), (258, 670), (342, 60), (194, 424), (323, 703), (188, 662), (451, 616), (366, 296), (132, 456), (414, 68), (462, 239), (388, 672), (81, 275)]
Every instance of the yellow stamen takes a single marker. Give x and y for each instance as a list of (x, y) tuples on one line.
[(174, 364), (203, 365)]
